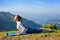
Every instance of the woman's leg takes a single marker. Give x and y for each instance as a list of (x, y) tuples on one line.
[(31, 30)]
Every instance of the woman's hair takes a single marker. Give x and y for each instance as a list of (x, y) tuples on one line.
[(18, 18)]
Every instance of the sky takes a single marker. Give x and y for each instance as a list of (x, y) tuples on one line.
[(30, 6), (31, 9)]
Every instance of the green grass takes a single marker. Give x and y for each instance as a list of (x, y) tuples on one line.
[(31, 36), (11, 31), (2, 35)]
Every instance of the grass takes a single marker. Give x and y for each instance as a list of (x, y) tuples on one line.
[(45, 36), (11, 31), (2, 35)]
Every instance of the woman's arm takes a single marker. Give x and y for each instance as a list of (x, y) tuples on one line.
[(21, 29)]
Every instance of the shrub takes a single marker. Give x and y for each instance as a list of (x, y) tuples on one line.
[(50, 26)]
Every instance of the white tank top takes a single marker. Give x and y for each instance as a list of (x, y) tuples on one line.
[(21, 27)]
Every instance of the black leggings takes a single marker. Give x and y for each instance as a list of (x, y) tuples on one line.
[(31, 30)]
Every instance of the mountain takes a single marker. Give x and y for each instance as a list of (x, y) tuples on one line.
[(7, 22)]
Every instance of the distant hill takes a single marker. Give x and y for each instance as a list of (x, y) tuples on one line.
[(7, 22)]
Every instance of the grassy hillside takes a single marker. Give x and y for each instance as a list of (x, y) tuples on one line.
[(40, 36)]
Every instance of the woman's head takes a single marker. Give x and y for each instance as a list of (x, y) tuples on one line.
[(17, 18)]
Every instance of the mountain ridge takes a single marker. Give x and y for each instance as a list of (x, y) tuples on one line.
[(7, 22)]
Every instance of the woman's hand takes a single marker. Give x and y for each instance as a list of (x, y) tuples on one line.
[(18, 33)]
